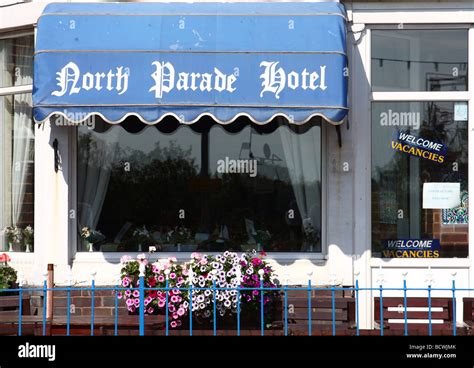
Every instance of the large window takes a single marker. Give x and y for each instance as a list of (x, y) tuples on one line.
[(419, 60), (419, 149), (411, 167), (201, 187), (16, 144)]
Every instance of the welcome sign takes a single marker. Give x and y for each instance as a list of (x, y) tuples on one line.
[(187, 60), (411, 248)]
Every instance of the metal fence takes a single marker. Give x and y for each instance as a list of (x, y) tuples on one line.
[(284, 290)]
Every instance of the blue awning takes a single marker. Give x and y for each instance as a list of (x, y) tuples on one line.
[(191, 59)]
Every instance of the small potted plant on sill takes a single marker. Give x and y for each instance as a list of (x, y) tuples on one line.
[(145, 240), (28, 236), (91, 237), (13, 236)]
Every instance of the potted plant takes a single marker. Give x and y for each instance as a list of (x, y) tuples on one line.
[(91, 237), (13, 236), (178, 236), (28, 237), (144, 239), (8, 275)]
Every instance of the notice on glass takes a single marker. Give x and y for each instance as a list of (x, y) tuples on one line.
[(441, 195)]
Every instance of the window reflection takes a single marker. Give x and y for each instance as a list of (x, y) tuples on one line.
[(202, 187), (419, 60), (398, 178)]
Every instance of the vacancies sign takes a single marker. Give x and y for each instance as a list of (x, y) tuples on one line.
[(411, 248)]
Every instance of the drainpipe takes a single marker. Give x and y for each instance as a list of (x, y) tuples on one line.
[(50, 285)]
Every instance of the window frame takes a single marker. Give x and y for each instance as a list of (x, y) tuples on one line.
[(83, 256), (410, 96), (11, 91)]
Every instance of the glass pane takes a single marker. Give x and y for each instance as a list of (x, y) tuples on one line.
[(16, 61), (16, 173), (419, 179), (419, 60), (203, 187)]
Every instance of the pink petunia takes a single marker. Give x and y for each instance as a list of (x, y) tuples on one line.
[(180, 311), (161, 278), (125, 281), (196, 255), (175, 315), (173, 324), (136, 294), (150, 310), (172, 275)]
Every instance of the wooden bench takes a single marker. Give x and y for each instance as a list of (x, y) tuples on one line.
[(9, 316), (468, 311), (321, 313), (105, 325), (417, 314)]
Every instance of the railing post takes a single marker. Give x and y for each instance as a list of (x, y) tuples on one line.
[(141, 329), (214, 309), (20, 302), (333, 282), (285, 305), (405, 312), (239, 279), (454, 303), (191, 302), (310, 322), (262, 317), (45, 296), (68, 302), (357, 306), (380, 281), (429, 280), (92, 301), (116, 306), (167, 273)]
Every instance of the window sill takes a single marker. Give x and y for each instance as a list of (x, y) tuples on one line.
[(114, 257)]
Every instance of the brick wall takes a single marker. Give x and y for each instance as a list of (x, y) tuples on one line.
[(454, 238), (80, 303)]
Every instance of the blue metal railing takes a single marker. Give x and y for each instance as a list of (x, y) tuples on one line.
[(283, 299)]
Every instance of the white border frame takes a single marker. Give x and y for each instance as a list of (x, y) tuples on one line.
[(75, 256)]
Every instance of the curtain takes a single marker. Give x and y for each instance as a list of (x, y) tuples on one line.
[(23, 130), (95, 158), (302, 155)]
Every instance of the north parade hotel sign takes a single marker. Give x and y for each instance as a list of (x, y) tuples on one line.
[(166, 78)]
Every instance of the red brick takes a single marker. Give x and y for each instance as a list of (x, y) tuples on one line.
[(97, 311), (83, 301), (109, 301), (453, 238)]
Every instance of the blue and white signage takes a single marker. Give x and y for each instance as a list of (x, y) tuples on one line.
[(188, 60)]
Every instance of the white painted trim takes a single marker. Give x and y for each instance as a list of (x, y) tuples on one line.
[(471, 145), (6, 91), (420, 262), (114, 257), (360, 125), (21, 15), (420, 96), (411, 12)]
